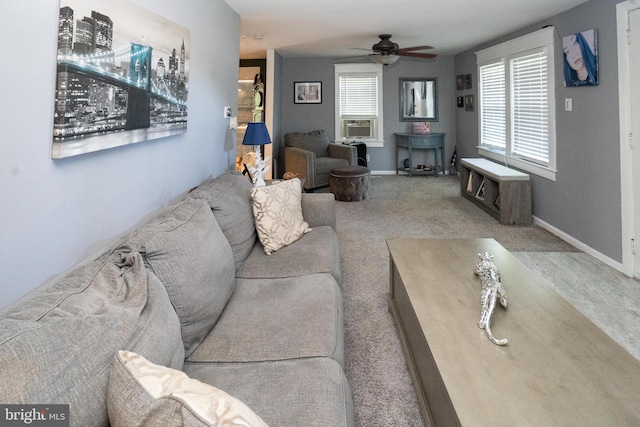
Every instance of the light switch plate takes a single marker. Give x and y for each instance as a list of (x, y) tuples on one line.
[(568, 104), (233, 123)]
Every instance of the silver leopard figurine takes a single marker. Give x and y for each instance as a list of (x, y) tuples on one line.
[(492, 289)]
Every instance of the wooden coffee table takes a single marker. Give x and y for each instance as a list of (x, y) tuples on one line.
[(558, 369)]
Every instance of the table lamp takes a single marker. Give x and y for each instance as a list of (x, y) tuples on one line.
[(257, 135)]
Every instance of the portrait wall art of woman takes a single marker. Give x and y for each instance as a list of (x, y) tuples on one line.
[(580, 59)]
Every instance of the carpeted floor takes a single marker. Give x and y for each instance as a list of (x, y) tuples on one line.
[(402, 207)]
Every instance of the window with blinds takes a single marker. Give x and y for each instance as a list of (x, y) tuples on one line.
[(358, 96), (358, 103), (517, 103), (530, 108), (493, 120)]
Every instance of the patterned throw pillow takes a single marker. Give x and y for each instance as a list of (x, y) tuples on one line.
[(143, 392), (277, 210)]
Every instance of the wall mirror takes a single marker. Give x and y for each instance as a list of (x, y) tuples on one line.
[(419, 99)]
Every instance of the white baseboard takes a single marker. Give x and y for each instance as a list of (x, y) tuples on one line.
[(579, 245), (383, 172)]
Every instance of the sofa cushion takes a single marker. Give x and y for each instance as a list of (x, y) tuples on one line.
[(309, 392), (278, 319), (316, 252), (186, 249), (229, 196), (143, 393), (277, 210), (57, 342), (316, 141)]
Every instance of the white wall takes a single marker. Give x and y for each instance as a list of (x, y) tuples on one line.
[(54, 213)]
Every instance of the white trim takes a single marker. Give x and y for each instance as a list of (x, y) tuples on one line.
[(578, 244), (541, 37), (360, 68), (519, 164), (269, 102), (383, 172), (505, 52), (368, 143), (626, 164)]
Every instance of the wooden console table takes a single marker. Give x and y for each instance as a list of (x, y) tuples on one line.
[(423, 141), (558, 369)]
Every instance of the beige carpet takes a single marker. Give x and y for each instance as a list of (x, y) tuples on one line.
[(402, 207)]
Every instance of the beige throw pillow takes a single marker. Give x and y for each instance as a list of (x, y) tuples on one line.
[(141, 392), (277, 210)]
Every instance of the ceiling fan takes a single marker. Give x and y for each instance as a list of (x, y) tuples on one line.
[(387, 52)]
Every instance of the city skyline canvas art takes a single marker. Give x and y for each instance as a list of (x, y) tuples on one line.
[(122, 77)]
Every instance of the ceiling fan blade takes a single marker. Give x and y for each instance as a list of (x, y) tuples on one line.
[(349, 58), (407, 49), (417, 55)]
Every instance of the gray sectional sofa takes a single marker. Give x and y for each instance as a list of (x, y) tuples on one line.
[(191, 289)]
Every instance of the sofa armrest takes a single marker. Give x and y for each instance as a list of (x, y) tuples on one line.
[(301, 162), (319, 209), (344, 151)]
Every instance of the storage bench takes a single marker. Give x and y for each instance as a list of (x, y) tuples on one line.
[(502, 192)]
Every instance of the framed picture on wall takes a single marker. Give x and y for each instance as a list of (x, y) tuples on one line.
[(460, 82), (468, 102), (460, 100), (122, 77), (468, 84), (580, 59), (307, 92)]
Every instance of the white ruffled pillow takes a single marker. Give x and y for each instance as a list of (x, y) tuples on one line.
[(277, 210), (143, 392)]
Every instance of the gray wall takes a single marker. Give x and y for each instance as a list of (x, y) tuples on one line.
[(584, 201), (307, 117), (56, 212)]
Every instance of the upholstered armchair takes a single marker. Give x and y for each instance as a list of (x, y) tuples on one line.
[(312, 155)]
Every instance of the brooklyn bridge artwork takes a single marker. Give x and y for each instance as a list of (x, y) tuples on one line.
[(122, 77)]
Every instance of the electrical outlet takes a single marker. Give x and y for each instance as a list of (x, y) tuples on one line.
[(368, 158), (233, 123)]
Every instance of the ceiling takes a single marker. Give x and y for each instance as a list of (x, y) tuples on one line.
[(338, 28)]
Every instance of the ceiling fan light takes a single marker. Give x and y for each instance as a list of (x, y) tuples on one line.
[(385, 59)]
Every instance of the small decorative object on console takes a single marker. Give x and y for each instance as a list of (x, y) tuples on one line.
[(422, 127), (492, 290), (289, 175)]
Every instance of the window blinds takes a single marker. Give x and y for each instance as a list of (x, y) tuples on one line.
[(493, 120), (359, 96), (530, 107)]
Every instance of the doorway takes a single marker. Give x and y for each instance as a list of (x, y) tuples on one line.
[(628, 28), (251, 103)]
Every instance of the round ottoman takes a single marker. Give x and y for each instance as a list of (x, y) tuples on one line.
[(350, 183)]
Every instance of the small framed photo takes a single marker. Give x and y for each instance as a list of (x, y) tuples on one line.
[(467, 81), (307, 92), (460, 100), (460, 82), (468, 102)]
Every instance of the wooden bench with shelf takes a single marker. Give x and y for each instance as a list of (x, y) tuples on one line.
[(502, 192)]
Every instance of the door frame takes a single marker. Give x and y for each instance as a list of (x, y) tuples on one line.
[(626, 163)]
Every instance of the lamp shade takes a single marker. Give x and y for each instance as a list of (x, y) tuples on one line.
[(256, 134), (385, 59)]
